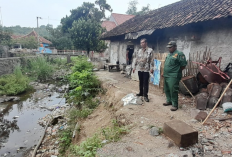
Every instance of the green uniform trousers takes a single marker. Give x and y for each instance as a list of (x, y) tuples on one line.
[(171, 89)]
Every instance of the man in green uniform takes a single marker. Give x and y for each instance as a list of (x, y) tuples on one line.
[(175, 62)]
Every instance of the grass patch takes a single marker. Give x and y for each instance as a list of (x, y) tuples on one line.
[(13, 84), (89, 147)]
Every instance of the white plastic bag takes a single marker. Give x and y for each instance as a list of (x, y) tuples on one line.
[(227, 106), (131, 99)]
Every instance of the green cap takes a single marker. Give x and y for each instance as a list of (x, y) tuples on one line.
[(171, 44)]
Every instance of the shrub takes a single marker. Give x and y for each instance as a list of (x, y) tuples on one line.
[(13, 84), (87, 148), (81, 64), (39, 68)]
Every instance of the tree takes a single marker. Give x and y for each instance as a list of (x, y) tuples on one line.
[(59, 39), (86, 11), (132, 8), (103, 6), (28, 42), (5, 36), (85, 35)]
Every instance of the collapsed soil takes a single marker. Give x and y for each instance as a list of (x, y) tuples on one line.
[(138, 142)]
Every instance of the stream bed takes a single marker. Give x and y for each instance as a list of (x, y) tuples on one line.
[(19, 128)]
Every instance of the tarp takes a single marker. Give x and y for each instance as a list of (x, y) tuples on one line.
[(156, 75)]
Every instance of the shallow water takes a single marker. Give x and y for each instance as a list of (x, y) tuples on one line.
[(19, 134)]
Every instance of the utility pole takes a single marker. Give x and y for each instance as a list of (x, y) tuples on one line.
[(1, 16), (38, 28), (38, 21)]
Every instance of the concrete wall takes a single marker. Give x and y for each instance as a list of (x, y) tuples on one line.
[(215, 35), (7, 65)]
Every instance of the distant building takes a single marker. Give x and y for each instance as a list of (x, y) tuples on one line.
[(43, 43), (114, 21)]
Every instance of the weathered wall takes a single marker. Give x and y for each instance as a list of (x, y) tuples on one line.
[(7, 65), (215, 35)]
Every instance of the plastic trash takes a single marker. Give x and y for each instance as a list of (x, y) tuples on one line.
[(131, 99), (227, 107)]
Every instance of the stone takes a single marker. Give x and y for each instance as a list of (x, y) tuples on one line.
[(154, 131), (186, 154), (208, 148), (2, 100), (201, 116), (181, 133)]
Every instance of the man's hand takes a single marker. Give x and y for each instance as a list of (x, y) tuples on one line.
[(133, 70), (152, 71)]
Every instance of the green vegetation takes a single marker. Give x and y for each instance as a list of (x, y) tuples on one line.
[(83, 82), (89, 147), (18, 30), (65, 140), (29, 42), (39, 68), (132, 8), (13, 84)]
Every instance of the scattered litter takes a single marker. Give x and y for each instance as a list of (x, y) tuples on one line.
[(15, 117), (131, 99), (227, 107)]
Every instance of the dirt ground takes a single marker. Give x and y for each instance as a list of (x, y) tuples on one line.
[(138, 142)]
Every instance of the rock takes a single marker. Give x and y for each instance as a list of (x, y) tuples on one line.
[(16, 98), (201, 116), (208, 148), (154, 131), (209, 137), (2, 100), (186, 154)]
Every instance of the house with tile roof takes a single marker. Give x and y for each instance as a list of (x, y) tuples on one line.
[(114, 21), (193, 24), (43, 43)]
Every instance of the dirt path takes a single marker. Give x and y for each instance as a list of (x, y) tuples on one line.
[(139, 142)]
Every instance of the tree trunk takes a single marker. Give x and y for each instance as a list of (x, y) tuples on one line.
[(88, 50)]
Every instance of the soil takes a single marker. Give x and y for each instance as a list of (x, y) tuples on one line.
[(138, 142)]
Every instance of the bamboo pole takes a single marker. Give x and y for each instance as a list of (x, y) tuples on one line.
[(217, 102), (187, 89)]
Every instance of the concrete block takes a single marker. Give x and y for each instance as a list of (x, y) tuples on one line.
[(181, 133)]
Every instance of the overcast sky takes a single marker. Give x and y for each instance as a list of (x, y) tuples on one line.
[(24, 12)]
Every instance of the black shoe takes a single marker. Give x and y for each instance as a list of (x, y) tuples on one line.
[(139, 94), (167, 103), (146, 99)]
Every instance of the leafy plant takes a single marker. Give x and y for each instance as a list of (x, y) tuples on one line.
[(65, 138), (87, 148), (113, 134), (39, 68), (13, 84)]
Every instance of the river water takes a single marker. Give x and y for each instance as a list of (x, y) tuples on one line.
[(19, 128)]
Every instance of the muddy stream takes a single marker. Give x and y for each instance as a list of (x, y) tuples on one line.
[(19, 128)]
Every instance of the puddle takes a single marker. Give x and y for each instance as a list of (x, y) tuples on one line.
[(19, 130)]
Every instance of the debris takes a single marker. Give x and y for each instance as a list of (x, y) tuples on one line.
[(74, 132), (131, 99), (227, 107), (15, 117)]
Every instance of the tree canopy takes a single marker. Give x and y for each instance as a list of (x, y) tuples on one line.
[(85, 35), (132, 8), (59, 39)]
